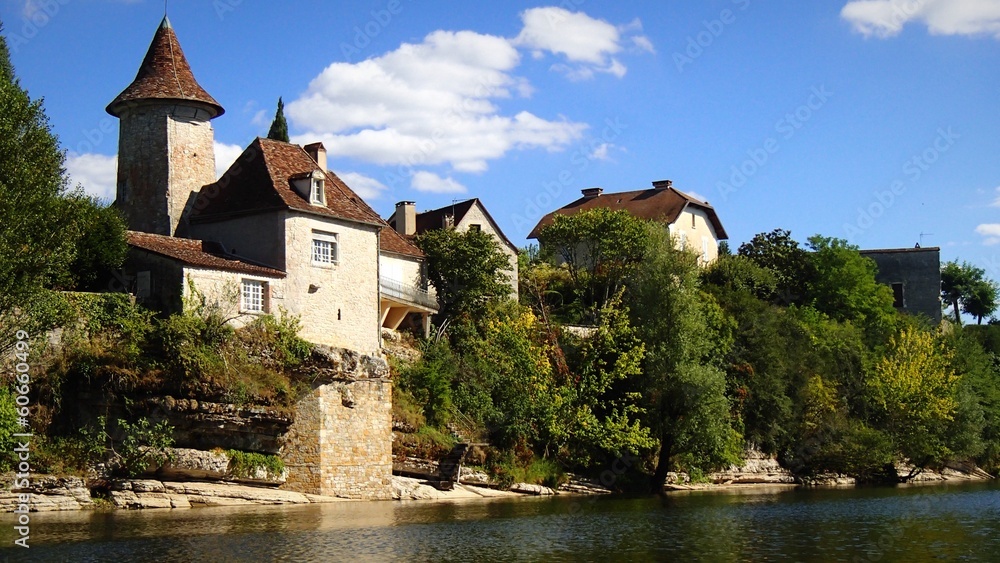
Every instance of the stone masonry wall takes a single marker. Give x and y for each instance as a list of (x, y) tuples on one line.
[(165, 153), (340, 443), (339, 303)]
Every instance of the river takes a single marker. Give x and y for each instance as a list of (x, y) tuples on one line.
[(925, 523)]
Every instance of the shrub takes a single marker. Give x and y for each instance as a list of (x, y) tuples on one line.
[(143, 445), (247, 465)]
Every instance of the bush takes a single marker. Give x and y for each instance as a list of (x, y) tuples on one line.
[(142, 446), (429, 381), (247, 465)]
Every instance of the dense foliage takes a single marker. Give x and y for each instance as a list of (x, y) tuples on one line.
[(792, 350), (50, 236)]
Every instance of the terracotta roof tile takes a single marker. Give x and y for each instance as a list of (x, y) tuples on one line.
[(260, 180), (164, 75), (392, 241), (202, 254), (653, 204), (436, 218)]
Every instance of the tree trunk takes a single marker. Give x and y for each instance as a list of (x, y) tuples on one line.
[(662, 464), (958, 313)]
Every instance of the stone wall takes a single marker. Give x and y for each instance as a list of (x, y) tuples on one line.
[(341, 441), (339, 303), (918, 273), (165, 154)]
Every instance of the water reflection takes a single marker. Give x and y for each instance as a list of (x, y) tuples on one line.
[(945, 523)]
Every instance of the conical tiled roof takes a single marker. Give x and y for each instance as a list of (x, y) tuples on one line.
[(164, 75)]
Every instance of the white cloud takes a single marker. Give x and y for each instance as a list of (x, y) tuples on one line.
[(697, 196), (260, 118), (225, 156), (996, 202), (991, 231), (425, 104), (424, 181), (600, 152), (97, 173), (588, 43), (886, 18), (365, 186)]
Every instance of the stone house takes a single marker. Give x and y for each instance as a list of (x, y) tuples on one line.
[(466, 215), (693, 222), (277, 232), (914, 274)]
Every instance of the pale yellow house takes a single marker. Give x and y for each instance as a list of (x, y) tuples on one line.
[(692, 222), (462, 216)]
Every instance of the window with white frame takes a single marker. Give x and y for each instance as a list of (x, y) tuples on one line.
[(254, 296), (324, 248), (318, 194)]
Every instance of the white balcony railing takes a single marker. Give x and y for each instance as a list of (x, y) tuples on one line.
[(394, 289)]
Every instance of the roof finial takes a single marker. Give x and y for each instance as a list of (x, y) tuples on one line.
[(165, 24)]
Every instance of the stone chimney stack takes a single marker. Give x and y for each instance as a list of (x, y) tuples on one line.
[(406, 218), (663, 184), (318, 153), (590, 193)]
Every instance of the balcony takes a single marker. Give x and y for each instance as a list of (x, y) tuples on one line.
[(407, 293)]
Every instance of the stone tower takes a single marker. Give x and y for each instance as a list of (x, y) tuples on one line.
[(165, 140)]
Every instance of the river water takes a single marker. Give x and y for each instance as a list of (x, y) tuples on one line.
[(925, 523)]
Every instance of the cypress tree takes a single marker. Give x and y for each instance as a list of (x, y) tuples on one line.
[(279, 127)]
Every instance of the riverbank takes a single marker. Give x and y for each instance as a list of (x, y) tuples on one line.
[(757, 474)]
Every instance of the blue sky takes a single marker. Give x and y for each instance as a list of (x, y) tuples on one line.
[(872, 120)]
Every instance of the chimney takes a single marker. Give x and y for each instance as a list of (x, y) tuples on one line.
[(663, 184), (590, 193), (318, 153), (406, 218)]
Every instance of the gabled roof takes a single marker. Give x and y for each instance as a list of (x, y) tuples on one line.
[(202, 254), (437, 218), (260, 180), (165, 75), (656, 204)]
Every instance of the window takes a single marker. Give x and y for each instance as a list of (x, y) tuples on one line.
[(897, 296), (318, 194), (704, 249), (254, 296), (684, 239), (693, 219), (475, 227), (324, 248)]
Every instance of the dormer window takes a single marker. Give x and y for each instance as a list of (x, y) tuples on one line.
[(318, 194), (311, 186)]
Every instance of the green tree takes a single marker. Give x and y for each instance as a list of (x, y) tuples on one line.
[(844, 287), (781, 254), (913, 393), (601, 417), (685, 389), (965, 288), (35, 220), (980, 300), (101, 247), (467, 269), (279, 127), (602, 249)]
